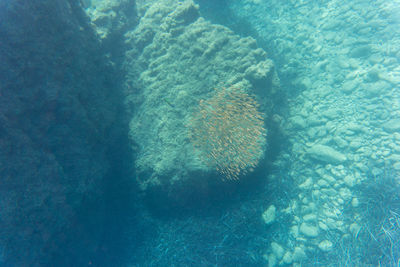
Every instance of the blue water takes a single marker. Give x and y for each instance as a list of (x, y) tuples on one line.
[(102, 162)]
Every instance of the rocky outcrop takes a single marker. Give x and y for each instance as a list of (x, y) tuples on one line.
[(59, 120), (175, 59), (113, 17)]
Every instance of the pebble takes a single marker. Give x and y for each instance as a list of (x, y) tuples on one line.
[(307, 184), (349, 180), (277, 250), (287, 258), (299, 254), (309, 217), (323, 226), (309, 230), (326, 154), (349, 86), (269, 215), (396, 166), (392, 126), (355, 202), (325, 245), (298, 122)]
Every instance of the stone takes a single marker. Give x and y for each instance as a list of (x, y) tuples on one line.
[(277, 250), (392, 126), (298, 254), (377, 88), (349, 86), (340, 141), (356, 144), (393, 158), (298, 122), (355, 202), (306, 184), (330, 223), (323, 226), (258, 74), (309, 217), (309, 230), (294, 231), (331, 113), (322, 183), (269, 215), (288, 257), (314, 120), (391, 78), (345, 193), (326, 154), (272, 260), (316, 194), (329, 213), (325, 245), (329, 178), (396, 166), (372, 75), (329, 191), (362, 51), (312, 132), (349, 180), (355, 127)]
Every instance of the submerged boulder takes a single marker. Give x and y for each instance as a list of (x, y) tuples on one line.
[(59, 119), (177, 58)]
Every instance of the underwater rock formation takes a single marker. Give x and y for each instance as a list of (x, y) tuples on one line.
[(112, 17), (177, 58), (58, 119)]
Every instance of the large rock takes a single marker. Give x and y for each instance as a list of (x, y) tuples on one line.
[(59, 119), (176, 59)]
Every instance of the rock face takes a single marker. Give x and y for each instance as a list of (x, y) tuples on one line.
[(112, 18), (58, 112), (176, 59)]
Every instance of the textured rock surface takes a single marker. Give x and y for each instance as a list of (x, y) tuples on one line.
[(177, 58), (345, 99), (112, 17), (58, 109)]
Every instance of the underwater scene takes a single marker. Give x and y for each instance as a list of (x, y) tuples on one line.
[(174, 133)]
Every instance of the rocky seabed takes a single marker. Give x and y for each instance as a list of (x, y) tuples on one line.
[(344, 124)]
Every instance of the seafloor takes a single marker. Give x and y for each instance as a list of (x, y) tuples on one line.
[(110, 135)]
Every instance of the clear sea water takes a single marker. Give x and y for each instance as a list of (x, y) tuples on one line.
[(73, 189)]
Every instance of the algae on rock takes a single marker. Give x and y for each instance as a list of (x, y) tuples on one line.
[(175, 59)]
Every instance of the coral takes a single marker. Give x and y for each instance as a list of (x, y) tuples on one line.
[(228, 130)]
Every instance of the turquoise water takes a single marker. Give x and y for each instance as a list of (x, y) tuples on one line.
[(200, 133), (329, 178)]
